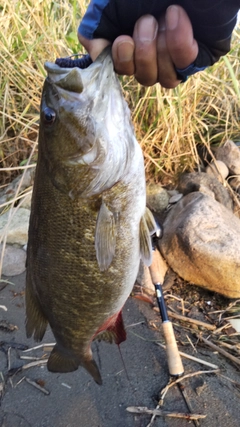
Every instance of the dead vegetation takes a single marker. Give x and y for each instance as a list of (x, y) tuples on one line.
[(172, 126), (201, 321)]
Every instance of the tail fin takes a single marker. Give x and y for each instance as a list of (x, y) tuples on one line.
[(93, 370)]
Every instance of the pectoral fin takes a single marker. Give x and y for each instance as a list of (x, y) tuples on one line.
[(147, 228), (151, 223), (105, 237)]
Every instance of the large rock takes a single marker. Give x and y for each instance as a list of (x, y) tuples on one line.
[(16, 227), (218, 169), (26, 201), (157, 201), (201, 242), (14, 260), (229, 153), (201, 181), (157, 198)]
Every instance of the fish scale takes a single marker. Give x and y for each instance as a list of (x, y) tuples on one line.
[(89, 226)]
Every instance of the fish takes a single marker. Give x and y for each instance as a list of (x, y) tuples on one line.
[(89, 225)]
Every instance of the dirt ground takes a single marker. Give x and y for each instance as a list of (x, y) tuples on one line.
[(74, 400)]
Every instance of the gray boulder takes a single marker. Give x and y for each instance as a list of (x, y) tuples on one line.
[(157, 197), (201, 181), (229, 153), (14, 260), (218, 169), (17, 228), (201, 242)]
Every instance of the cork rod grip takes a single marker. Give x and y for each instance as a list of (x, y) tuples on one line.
[(175, 365)]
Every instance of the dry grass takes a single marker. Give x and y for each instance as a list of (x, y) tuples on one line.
[(169, 123), (172, 124)]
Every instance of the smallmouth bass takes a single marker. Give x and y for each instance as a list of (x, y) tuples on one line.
[(89, 225)]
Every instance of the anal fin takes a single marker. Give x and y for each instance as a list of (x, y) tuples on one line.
[(59, 362)]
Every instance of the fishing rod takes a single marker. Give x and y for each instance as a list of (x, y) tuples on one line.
[(174, 361)]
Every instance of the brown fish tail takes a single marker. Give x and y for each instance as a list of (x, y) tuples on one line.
[(92, 368)]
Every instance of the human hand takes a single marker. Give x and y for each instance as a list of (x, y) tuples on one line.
[(155, 49)]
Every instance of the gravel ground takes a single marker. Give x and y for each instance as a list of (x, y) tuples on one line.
[(74, 400)]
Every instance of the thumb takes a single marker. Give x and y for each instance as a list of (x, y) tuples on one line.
[(94, 47)]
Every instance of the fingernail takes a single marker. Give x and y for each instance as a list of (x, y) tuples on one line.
[(172, 16), (125, 51), (146, 29)]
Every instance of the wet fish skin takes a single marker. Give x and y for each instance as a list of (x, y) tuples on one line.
[(89, 225)]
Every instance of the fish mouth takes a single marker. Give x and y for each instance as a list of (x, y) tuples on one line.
[(75, 79), (69, 80)]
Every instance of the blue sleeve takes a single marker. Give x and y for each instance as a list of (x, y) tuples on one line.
[(212, 21), (184, 73), (92, 18)]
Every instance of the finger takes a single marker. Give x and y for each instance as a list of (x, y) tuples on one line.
[(167, 75), (145, 39), (180, 41), (94, 47), (123, 55)]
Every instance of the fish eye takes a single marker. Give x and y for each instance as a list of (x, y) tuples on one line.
[(49, 115)]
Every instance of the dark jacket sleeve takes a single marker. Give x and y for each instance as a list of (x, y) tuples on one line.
[(213, 22)]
